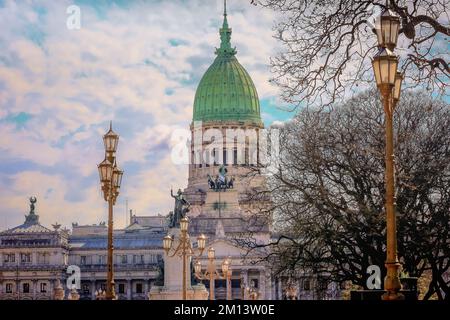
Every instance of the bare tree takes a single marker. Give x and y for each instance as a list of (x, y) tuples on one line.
[(327, 45), (327, 191)]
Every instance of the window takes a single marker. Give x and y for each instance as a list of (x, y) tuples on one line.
[(43, 287), (121, 288), (124, 258), (225, 159), (103, 286), (220, 283), (199, 159), (235, 283), (138, 287), (9, 257), (43, 258), (154, 258), (83, 260), (306, 285), (215, 157), (138, 259), (85, 288), (25, 257), (102, 259), (323, 284), (8, 288), (254, 283), (207, 156), (235, 157), (26, 288)]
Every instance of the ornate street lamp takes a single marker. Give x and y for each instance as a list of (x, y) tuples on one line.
[(212, 274), (385, 68), (252, 293), (111, 180), (389, 82), (110, 140), (387, 26), (100, 294), (184, 248)]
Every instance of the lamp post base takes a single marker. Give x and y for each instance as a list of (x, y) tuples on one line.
[(389, 296), (392, 283)]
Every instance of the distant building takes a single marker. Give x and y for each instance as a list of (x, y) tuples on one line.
[(34, 257)]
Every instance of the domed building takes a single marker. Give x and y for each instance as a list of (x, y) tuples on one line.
[(225, 146), (226, 123)]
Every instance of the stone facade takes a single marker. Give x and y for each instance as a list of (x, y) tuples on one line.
[(34, 258)]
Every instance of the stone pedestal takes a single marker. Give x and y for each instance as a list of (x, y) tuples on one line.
[(173, 277), (196, 292), (58, 291)]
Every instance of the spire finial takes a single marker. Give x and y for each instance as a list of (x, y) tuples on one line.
[(225, 35), (110, 124)]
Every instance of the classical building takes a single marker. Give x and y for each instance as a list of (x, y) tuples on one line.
[(32, 257), (225, 148)]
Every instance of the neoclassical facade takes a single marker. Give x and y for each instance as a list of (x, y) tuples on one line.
[(34, 258), (226, 136)]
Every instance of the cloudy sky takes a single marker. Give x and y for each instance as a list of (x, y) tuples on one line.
[(136, 63)]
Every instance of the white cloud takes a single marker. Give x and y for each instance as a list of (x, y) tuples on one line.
[(118, 66)]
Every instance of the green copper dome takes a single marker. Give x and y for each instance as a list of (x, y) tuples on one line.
[(226, 91)]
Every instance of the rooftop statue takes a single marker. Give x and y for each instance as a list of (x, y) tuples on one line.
[(221, 181), (32, 218), (33, 200), (181, 208)]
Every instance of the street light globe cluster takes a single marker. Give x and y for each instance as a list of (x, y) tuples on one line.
[(212, 274), (389, 82), (184, 226), (184, 248)]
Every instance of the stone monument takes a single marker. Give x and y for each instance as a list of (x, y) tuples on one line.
[(173, 264)]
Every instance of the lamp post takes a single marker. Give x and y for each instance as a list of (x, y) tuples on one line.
[(100, 294), (389, 81), (252, 293), (212, 274), (243, 288), (184, 248), (110, 179)]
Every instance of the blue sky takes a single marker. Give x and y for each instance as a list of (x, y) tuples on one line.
[(134, 62)]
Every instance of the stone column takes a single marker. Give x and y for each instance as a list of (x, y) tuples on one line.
[(273, 288), (268, 287), (280, 289), (50, 288), (129, 283), (93, 289), (244, 279), (34, 281), (262, 285), (146, 287), (17, 289)]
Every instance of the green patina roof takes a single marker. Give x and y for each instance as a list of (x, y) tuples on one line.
[(226, 91)]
